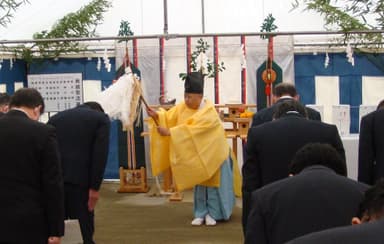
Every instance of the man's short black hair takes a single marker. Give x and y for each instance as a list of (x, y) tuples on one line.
[(290, 106), (373, 201), (380, 105), (284, 89), (4, 98), (318, 154), (95, 106), (27, 97)]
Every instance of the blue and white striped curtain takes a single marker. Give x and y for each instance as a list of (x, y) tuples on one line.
[(339, 84)]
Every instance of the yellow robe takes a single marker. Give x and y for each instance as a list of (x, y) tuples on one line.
[(195, 149)]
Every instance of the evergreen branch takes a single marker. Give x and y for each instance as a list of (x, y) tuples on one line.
[(212, 68), (7, 8), (82, 23), (351, 16)]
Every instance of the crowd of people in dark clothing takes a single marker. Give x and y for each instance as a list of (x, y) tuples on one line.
[(295, 177)]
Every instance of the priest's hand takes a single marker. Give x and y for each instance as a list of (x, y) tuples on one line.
[(152, 113), (163, 131)]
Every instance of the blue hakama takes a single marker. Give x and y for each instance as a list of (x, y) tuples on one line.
[(217, 202)]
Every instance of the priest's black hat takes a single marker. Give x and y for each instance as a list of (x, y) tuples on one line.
[(194, 83)]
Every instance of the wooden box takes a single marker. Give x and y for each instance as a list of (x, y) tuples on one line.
[(133, 180)]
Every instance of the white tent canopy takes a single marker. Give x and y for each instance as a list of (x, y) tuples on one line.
[(184, 17)]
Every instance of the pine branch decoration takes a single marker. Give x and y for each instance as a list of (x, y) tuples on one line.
[(200, 62), (268, 26)]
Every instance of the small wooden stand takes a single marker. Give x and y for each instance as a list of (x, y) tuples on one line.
[(240, 126), (176, 197), (132, 179)]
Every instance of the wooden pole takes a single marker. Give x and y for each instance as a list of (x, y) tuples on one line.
[(147, 106)]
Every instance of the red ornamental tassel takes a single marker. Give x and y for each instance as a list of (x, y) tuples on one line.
[(267, 89)]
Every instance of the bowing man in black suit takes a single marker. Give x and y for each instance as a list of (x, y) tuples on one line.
[(31, 185), (371, 145), (83, 137), (318, 196), (271, 146), (366, 228), (281, 93)]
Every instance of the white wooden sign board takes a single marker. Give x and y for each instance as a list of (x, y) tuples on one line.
[(60, 91)]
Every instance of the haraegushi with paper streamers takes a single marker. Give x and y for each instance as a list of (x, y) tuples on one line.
[(121, 99)]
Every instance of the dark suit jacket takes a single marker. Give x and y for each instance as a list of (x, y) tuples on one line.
[(370, 233), (271, 146), (83, 137), (315, 199), (266, 114), (371, 143), (31, 184)]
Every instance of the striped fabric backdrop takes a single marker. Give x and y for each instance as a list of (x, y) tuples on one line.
[(340, 83)]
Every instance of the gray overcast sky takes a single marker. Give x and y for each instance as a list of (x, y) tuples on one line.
[(184, 16)]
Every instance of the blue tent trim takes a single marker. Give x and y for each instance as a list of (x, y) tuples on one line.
[(307, 66), (8, 76)]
